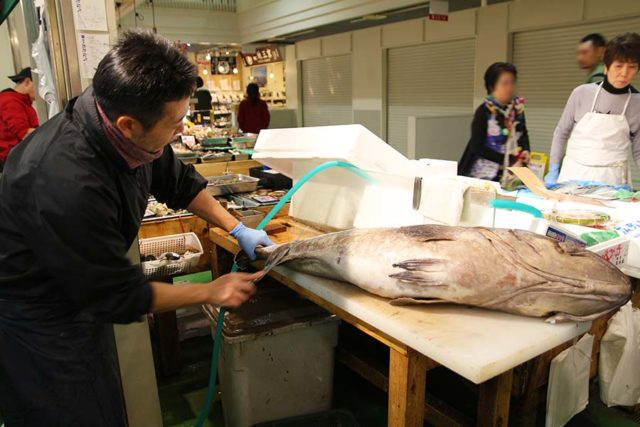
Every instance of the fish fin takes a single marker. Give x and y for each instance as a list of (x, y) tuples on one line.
[(413, 301), (431, 233), (417, 277), (566, 317), (426, 264)]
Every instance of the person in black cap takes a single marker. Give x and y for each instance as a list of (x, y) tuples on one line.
[(18, 118)]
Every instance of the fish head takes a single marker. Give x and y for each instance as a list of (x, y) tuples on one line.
[(556, 278)]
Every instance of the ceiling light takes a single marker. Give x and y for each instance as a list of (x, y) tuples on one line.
[(271, 76), (205, 72), (226, 53)]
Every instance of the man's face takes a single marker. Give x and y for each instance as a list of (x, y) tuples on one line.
[(162, 133), (620, 73), (588, 55)]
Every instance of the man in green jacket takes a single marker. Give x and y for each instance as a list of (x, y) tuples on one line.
[(590, 52)]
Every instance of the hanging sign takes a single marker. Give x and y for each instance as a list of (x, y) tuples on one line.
[(439, 10), (262, 55), (90, 15), (91, 49)]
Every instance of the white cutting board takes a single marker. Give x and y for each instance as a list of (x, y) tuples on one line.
[(475, 343)]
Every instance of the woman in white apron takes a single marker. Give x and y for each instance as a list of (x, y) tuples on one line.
[(600, 126)]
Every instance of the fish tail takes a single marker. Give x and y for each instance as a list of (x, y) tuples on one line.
[(278, 256)]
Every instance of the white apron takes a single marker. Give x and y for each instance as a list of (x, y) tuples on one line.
[(599, 148)]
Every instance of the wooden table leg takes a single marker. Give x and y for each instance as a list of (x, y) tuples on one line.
[(407, 376), (221, 261), (166, 326), (494, 400)]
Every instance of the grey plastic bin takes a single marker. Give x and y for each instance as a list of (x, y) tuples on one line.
[(277, 357)]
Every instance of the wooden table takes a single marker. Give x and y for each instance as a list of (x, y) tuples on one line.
[(420, 338)]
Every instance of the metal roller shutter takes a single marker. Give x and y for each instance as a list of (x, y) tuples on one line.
[(432, 80), (326, 91), (548, 72)]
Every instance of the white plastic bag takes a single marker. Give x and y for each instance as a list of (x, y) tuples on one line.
[(620, 359), (568, 392)]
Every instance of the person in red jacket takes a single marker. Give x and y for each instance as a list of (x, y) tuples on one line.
[(17, 117), (253, 114)]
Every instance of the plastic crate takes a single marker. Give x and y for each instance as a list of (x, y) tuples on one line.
[(333, 418), (178, 243)]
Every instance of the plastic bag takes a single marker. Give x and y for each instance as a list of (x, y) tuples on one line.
[(568, 392), (620, 359)]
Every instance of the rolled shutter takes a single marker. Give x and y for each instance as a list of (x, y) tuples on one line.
[(326, 91), (434, 79)]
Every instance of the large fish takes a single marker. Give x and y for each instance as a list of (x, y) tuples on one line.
[(508, 270)]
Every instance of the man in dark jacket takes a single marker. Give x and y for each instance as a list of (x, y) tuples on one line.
[(71, 200), (17, 117)]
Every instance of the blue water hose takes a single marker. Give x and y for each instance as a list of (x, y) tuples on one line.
[(217, 340)]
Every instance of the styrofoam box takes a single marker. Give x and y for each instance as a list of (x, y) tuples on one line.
[(615, 250), (337, 198), (284, 373), (281, 148)]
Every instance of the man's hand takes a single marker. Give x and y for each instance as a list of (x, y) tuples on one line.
[(232, 290), (249, 239)]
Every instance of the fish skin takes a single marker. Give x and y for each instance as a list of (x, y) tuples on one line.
[(513, 271)]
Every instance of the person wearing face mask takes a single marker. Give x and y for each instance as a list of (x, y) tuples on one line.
[(598, 134), (499, 136), (17, 116), (73, 196)]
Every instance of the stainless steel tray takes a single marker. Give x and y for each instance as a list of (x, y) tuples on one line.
[(231, 184)]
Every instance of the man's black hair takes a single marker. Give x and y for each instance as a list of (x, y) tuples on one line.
[(139, 75), (625, 48), (199, 82), (596, 39), (494, 72)]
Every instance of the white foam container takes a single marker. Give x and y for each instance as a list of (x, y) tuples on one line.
[(616, 251), (337, 198)]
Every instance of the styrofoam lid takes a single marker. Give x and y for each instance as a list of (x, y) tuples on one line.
[(281, 148)]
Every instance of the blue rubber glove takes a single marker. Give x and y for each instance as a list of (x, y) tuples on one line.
[(552, 176), (248, 239)]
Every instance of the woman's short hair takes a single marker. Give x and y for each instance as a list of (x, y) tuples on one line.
[(494, 72), (624, 48), (253, 90)]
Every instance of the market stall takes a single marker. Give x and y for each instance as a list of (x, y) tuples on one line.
[(480, 345)]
